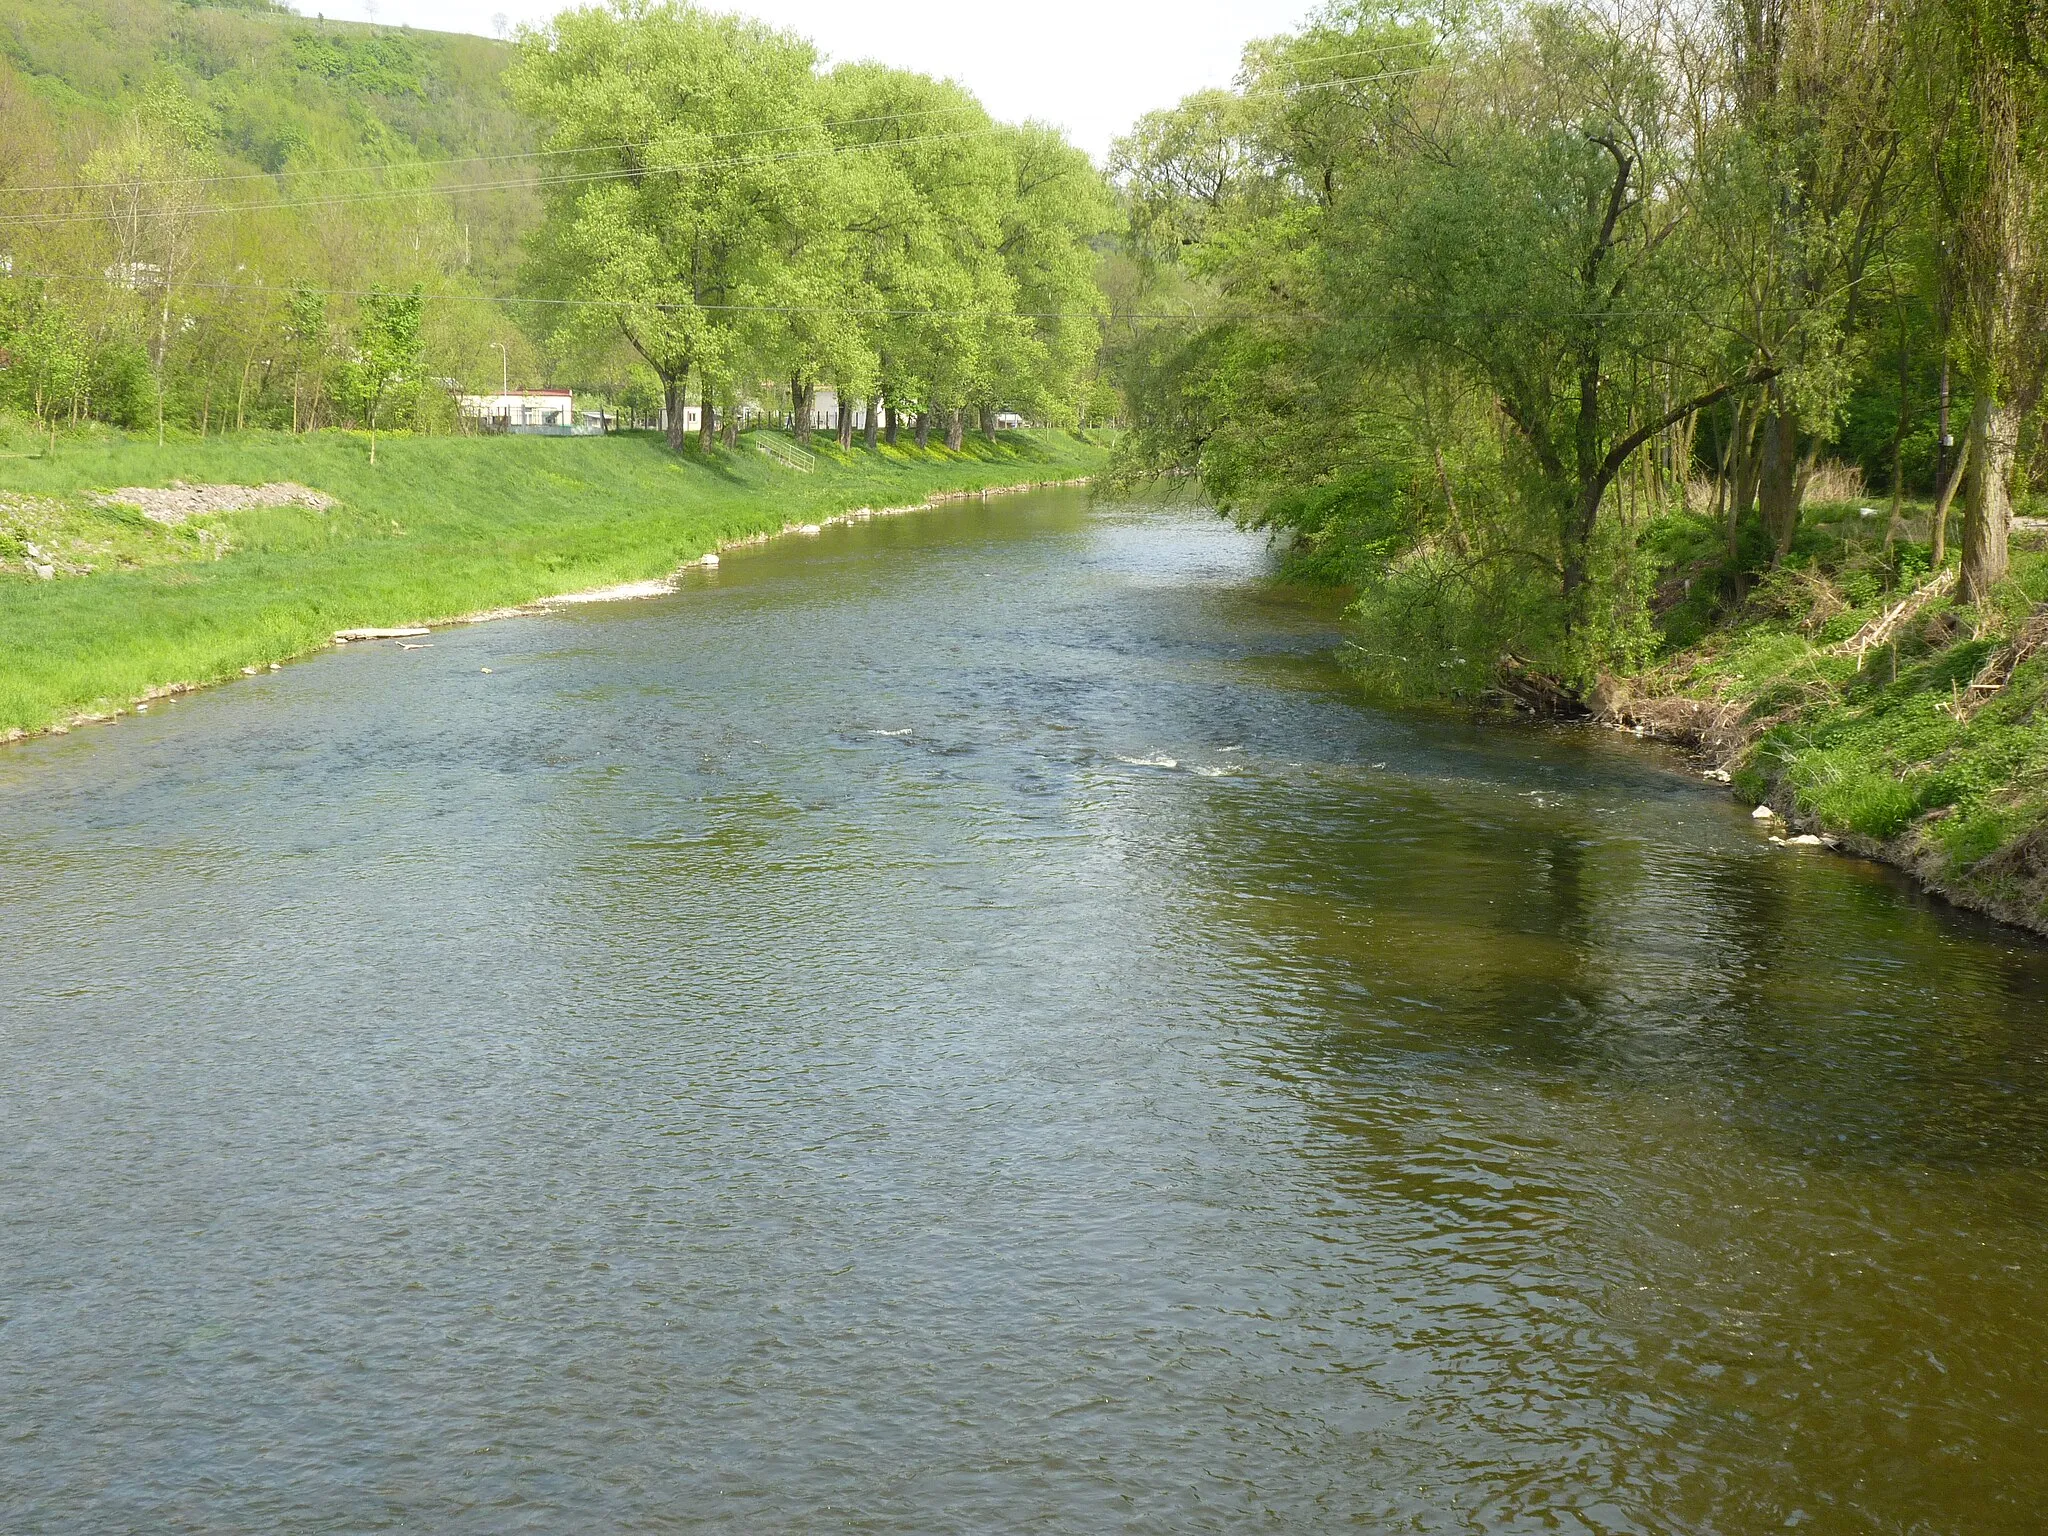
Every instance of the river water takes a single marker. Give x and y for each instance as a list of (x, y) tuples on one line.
[(963, 1024)]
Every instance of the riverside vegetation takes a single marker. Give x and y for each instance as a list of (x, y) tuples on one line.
[(1572, 336)]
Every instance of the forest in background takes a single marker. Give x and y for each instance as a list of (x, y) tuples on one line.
[(217, 217)]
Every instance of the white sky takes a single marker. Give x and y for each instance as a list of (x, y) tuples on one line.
[(1090, 66)]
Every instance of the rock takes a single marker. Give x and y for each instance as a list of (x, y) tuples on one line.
[(1763, 813), (810, 530), (46, 572), (1718, 775), (249, 671), (1803, 840), (709, 560)]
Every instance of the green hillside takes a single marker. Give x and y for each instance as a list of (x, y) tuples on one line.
[(274, 92)]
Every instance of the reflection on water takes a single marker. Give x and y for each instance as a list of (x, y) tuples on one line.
[(962, 1024)]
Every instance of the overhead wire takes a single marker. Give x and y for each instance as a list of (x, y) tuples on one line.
[(618, 173), (374, 167), (892, 311)]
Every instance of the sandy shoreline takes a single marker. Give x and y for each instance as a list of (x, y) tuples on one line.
[(629, 591)]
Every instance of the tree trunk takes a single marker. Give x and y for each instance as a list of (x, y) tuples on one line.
[(874, 421), (1942, 434), (1995, 238), (1987, 513), (1744, 470), (673, 396), (1944, 496), (845, 420), (988, 422), (800, 405), (707, 421), (924, 430), (889, 429), (956, 429), (1893, 529), (1777, 490)]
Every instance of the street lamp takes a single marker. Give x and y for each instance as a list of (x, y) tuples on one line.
[(504, 369)]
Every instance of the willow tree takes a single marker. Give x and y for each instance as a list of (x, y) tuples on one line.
[(926, 226), (690, 145), (1792, 112), (2002, 47), (1040, 348), (1543, 247)]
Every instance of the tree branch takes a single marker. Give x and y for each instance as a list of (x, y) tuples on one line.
[(1618, 454)]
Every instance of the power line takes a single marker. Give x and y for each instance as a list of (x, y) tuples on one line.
[(343, 199), (1359, 53), (890, 311), (386, 166), (514, 300)]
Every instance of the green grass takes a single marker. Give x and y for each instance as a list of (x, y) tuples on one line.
[(1882, 750), (440, 526)]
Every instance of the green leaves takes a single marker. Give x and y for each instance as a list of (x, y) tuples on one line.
[(745, 217)]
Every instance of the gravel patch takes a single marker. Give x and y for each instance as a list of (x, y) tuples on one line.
[(173, 503)]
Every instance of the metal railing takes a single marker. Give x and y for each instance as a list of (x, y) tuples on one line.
[(788, 455)]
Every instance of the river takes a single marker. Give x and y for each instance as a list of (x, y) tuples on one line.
[(962, 1023)]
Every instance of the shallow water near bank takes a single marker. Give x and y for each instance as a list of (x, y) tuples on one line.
[(961, 1023)]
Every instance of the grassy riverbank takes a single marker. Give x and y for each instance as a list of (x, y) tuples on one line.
[(438, 527), (1850, 691)]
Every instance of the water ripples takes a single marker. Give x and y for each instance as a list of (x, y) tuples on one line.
[(965, 1024)]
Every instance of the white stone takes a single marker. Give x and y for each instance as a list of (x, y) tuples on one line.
[(810, 530), (1804, 840), (710, 560), (1763, 813), (47, 572)]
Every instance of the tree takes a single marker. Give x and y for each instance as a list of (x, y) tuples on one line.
[(1039, 350), (147, 182), (1797, 189), (386, 360), (683, 220), (305, 336), (48, 359), (2006, 134)]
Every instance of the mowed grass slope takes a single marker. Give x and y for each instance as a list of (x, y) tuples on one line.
[(439, 527)]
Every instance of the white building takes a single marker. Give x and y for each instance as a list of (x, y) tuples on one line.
[(530, 410)]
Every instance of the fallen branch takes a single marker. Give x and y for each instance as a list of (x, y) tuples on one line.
[(1885, 625), (1993, 678), (1535, 691)]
